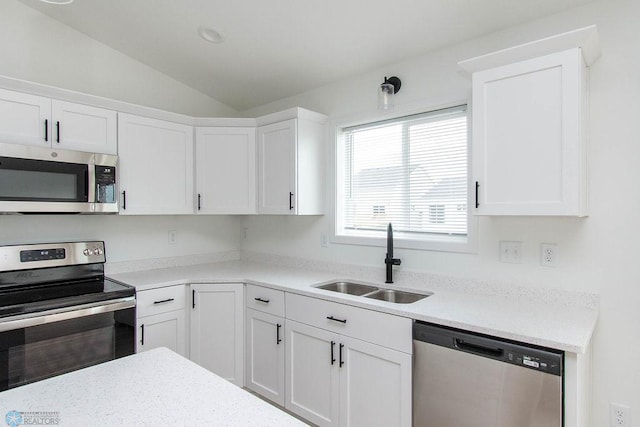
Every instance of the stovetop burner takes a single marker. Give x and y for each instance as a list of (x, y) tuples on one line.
[(36, 278)]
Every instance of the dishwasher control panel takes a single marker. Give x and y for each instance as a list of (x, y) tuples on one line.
[(535, 361), (541, 359)]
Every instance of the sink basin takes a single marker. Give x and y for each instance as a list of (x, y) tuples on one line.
[(348, 288), (399, 297)]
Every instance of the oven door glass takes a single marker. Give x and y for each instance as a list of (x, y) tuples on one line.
[(39, 352), (27, 180)]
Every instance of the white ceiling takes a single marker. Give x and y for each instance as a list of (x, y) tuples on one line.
[(278, 48)]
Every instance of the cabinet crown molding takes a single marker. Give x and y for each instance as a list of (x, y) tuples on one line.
[(585, 38)]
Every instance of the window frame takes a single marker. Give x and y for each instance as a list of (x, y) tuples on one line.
[(432, 242)]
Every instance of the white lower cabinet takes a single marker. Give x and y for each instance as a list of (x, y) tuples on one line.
[(162, 330), (161, 319), (312, 376), (265, 355), (333, 379), (375, 385), (217, 329)]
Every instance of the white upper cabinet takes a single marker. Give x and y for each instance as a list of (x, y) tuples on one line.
[(156, 166), (529, 155), (225, 170), (84, 128), (529, 114), (24, 118), (45, 122), (291, 165)]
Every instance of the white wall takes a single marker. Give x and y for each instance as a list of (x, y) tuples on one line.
[(40, 49), (598, 253), (128, 238)]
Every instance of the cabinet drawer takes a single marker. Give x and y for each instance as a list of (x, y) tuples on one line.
[(257, 295), (367, 325), (160, 300)]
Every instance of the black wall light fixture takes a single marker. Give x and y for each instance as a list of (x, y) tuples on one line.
[(389, 87)]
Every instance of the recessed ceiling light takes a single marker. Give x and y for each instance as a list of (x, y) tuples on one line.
[(57, 1), (210, 35)]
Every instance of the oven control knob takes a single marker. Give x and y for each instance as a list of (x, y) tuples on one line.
[(97, 251), (87, 252)]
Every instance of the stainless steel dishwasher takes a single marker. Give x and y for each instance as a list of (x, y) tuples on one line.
[(461, 379)]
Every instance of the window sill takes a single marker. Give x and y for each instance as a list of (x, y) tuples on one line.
[(445, 244)]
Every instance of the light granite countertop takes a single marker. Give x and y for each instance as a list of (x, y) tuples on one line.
[(153, 388), (510, 314)]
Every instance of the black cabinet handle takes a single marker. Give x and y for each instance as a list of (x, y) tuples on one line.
[(164, 300), (335, 319), (58, 132), (46, 130), (333, 358), (290, 200), (278, 340), (341, 361), (142, 334), (199, 198), (266, 301), (124, 200), (477, 201), (193, 299)]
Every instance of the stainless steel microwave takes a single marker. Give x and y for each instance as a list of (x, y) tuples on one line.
[(43, 180)]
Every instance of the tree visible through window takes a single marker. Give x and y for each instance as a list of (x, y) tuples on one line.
[(411, 171)]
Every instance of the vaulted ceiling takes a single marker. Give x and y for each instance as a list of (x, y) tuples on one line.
[(277, 48)]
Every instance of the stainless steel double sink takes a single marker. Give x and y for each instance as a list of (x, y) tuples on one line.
[(373, 292)]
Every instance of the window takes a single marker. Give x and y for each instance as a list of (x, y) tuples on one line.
[(411, 171)]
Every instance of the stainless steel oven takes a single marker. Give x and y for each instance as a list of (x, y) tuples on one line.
[(43, 180), (58, 313)]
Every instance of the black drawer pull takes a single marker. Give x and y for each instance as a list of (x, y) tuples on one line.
[(290, 201), (164, 300), (477, 200), (124, 200), (266, 301), (333, 358), (142, 334), (58, 132), (335, 319), (341, 361), (46, 130)]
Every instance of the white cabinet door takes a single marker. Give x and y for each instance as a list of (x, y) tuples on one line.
[(312, 375), (25, 119), (375, 385), (83, 128), (528, 130), (226, 170), (217, 329), (277, 168), (156, 166), (265, 355), (162, 330)]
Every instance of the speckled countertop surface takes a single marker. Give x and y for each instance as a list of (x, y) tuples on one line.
[(511, 314), (153, 388)]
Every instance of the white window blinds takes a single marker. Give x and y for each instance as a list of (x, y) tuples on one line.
[(410, 171)]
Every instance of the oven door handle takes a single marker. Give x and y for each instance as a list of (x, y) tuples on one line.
[(67, 313)]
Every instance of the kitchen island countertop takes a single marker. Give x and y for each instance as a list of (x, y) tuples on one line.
[(153, 388)]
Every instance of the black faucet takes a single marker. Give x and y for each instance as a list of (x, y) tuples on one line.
[(390, 261)]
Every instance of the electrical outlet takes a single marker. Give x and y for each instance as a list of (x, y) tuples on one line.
[(619, 415), (511, 252), (323, 239), (549, 254), (173, 238)]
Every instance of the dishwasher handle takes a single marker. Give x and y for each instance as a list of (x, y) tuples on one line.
[(478, 349)]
